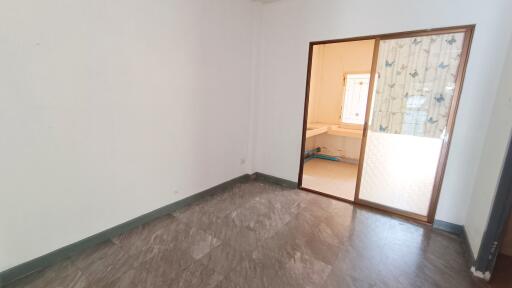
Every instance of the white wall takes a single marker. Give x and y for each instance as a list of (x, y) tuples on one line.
[(492, 158), (289, 25), (111, 109)]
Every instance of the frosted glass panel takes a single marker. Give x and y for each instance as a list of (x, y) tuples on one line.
[(409, 114), (395, 174)]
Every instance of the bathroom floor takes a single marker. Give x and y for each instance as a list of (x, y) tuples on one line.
[(331, 177), (257, 234)]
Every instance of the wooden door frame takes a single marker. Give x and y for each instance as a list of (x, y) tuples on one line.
[(468, 31)]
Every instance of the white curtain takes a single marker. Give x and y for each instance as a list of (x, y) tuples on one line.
[(415, 84)]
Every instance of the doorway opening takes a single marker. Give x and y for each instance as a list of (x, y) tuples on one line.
[(379, 115), (340, 79)]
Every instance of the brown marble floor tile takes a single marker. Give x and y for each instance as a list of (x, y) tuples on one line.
[(257, 234), (252, 223), (101, 262), (197, 275), (64, 274), (224, 258), (207, 212), (398, 253), (262, 269)]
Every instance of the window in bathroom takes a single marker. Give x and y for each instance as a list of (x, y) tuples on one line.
[(354, 102)]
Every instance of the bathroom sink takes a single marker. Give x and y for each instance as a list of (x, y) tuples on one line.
[(314, 130)]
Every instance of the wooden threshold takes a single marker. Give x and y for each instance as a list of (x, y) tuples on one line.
[(373, 206)]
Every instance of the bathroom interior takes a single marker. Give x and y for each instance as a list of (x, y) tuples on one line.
[(339, 83)]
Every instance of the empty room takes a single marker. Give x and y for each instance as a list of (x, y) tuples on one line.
[(256, 143)]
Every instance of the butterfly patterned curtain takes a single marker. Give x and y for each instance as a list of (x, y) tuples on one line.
[(415, 84)]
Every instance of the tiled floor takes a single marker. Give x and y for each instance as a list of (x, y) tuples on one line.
[(331, 177), (261, 235)]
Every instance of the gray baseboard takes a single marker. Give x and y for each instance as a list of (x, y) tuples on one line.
[(451, 228), (459, 231), (65, 252), (275, 180)]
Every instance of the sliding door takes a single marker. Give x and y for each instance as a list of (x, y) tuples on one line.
[(411, 113)]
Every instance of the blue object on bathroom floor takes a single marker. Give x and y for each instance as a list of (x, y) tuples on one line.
[(326, 157)]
